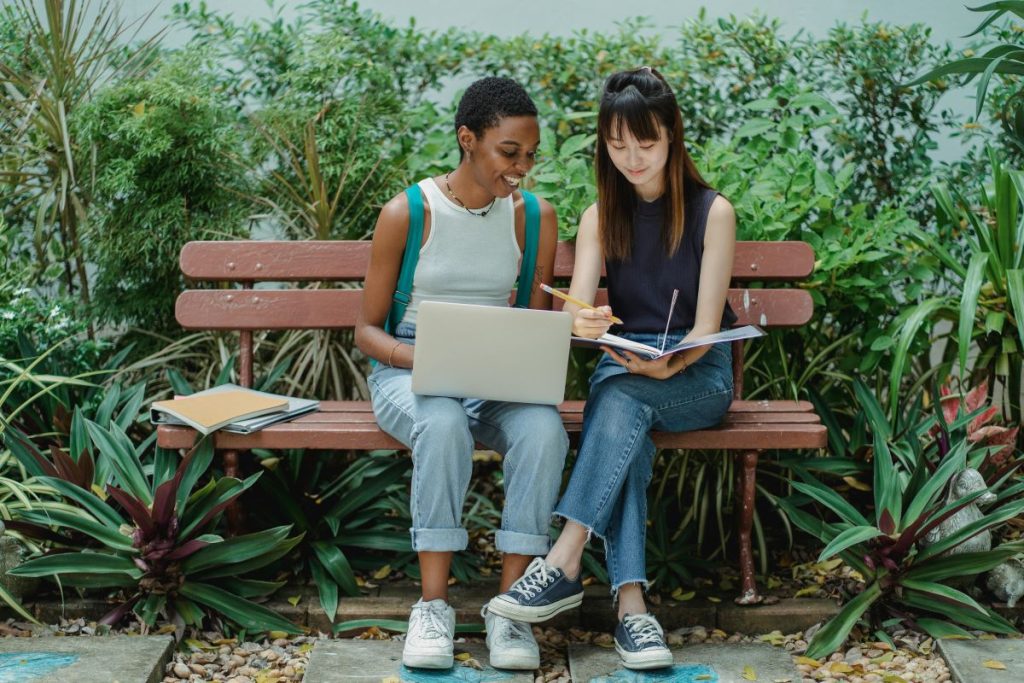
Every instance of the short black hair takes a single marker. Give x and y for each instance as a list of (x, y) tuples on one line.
[(489, 100)]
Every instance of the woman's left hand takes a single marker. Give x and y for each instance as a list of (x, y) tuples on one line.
[(636, 365)]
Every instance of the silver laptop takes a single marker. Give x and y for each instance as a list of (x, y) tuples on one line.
[(491, 352)]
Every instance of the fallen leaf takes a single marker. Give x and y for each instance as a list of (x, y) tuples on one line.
[(199, 645), (714, 599), (382, 573), (463, 656), (166, 628), (274, 635), (807, 661), (855, 483), (305, 647), (773, 583), (225, 641), (841, 668), (679, 595), (993, 664), (294, 600), (984, 636), (887, 657), (893, 678), (703, 677), (139, 109), (749, 674), (719, 633), (804, 592), (391, 679)]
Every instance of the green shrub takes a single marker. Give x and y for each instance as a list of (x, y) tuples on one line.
[(162, 177)]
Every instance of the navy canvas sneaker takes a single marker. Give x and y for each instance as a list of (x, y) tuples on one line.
[(539, 594), (640, 643)]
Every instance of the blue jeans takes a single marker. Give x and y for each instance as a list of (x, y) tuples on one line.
[(607, 492), (441, 432)]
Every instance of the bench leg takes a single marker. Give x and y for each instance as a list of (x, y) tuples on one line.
[(745, 521), (233, 512)]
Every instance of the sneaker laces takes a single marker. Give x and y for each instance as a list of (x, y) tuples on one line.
[(430, 619), (643, 628), (537, 577), (507, 629)]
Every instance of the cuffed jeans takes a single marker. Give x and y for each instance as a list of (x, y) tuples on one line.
[(441, 433), (607, 492)]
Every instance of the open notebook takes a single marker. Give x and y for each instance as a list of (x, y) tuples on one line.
[(745, 332)]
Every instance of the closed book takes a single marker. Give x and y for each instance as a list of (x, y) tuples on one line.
[(295, 408), (208, 412)]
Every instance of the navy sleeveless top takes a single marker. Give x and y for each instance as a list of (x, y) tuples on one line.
[(640, 288)]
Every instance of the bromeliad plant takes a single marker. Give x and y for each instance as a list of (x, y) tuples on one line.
[(148, 532), (904, 577)]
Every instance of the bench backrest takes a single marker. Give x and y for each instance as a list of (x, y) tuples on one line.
[(246, 263)]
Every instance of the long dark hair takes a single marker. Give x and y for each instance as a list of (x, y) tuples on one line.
[(638, 100)]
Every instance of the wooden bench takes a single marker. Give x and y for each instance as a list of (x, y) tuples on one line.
[(749, 428)]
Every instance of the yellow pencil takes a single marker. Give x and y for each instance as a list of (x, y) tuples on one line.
[(574, 300)]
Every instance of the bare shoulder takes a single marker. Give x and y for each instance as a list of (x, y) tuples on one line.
[(722, 211), (588, 222), (393, 220)]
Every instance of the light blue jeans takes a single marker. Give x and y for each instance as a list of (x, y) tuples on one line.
[(607, 492), (441, 432)]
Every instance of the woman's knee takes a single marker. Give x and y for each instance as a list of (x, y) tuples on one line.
[(443, 421)]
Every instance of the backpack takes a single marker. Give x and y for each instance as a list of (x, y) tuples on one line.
[(414, 240)]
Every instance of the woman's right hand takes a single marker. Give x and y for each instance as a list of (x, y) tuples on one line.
[(592, 323)]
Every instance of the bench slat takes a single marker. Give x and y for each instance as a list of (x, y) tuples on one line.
[(569, 407), (367, 436), (571, 420), (289, 261), (287, 309)]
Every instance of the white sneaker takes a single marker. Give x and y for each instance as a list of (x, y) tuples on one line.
[(428, 643), (511, 643)]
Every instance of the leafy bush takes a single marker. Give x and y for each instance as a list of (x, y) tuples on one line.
[(161, 148)]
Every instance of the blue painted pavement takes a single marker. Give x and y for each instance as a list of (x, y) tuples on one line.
[(680, 673), (456, 673), (21, 667)]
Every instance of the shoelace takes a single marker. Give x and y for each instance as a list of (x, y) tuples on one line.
[(536, 579), (643, 628), (431, 620), (515, 630)]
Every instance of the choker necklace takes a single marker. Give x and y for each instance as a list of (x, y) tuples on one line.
[(458, 201)]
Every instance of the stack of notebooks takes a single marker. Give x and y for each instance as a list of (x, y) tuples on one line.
[(231, 408)]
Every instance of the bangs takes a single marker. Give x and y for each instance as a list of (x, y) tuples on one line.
[(627, 109)]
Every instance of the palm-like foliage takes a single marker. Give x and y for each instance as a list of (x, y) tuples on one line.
[(147, 531), (904, 575)]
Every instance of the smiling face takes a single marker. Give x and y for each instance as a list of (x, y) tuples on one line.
[(503, 155), (642, 162)]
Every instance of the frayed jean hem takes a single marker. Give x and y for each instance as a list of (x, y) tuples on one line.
[(439, 540)]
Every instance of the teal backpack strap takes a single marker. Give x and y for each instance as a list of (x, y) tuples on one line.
[(413, 240), (529, 263)]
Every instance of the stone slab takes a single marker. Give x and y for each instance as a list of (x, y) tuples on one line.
[(789, 615), (965, 660), (373, 661), (85, 659), (693, 664)]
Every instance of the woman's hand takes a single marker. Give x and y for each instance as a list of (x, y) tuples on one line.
[(592, 323), (661, 368)]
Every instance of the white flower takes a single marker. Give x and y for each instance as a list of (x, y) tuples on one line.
[(7, 315)]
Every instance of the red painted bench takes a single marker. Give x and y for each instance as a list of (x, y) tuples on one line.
[(749, 428)]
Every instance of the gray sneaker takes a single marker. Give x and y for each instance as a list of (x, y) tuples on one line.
[(511, 643), (640, 643), (539, 594), (428, 642)]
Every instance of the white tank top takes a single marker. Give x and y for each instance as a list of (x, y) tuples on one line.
[(467, 259)]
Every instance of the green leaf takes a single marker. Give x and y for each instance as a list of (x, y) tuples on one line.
[(963, 564), (269, 555), (942, 629), (199, 465), (16, 606), (830, 636), (77, 563), (955, 461), (942, 591), (755, 128), (888, 503), (235, 550), (1004, 513), (848, 538), (112, 538), (327, 588), (88, 500), (336, 564), (221, 493), (920, 314), (575, 143), (1015, 290), (833, 501), (116, 446), (248, 614), (252, 588), (969, 306)]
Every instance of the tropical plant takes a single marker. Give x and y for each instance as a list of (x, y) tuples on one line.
[(59, 59), (1005, 61), (984, 299), (903, 574), (336, 513), (150, 533)]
